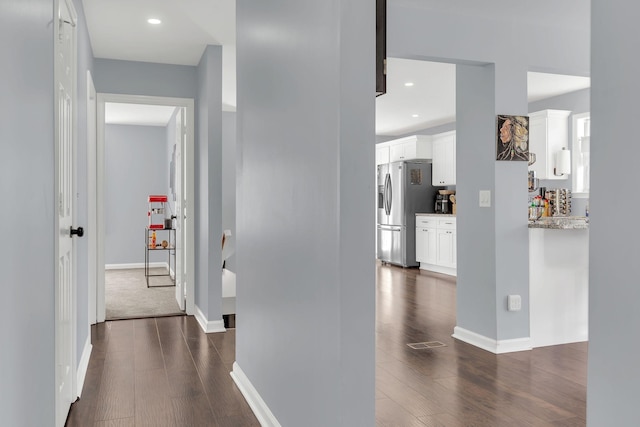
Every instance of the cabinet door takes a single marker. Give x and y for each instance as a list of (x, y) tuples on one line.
[(382, 155), (445, 248), (426, 245), (444, 160), (399, 151)]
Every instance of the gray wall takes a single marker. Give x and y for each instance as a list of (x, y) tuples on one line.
[(208, 184), (474, 33), (305, 305), (26, 183), (135, 167), (614, 319), (229, 183)]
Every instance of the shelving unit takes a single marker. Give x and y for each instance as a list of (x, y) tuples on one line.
[(156, 234)]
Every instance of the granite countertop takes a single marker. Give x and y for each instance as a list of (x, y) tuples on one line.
[(435, 214), (561, 223)]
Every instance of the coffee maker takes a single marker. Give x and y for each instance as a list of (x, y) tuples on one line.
[(443, 204)]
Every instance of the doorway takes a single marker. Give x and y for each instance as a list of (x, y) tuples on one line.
[(178, 176)]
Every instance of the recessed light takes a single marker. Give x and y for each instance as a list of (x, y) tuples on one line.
[(154, 21), (415, 115), (408, 84)]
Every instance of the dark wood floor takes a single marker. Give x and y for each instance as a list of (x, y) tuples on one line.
[(160, 372), (461, 385), (167, 372)]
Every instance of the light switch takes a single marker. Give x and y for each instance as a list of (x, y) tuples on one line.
[(485, 198)]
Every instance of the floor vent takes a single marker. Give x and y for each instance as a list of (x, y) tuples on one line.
[(424, 345)]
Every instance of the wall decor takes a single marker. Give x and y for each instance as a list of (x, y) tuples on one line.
[(512, 138)]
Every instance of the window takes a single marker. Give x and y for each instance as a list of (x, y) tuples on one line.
[(581, 150)]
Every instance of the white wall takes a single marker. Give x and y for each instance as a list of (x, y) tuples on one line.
[(305, 265), (135, 167), (27, 189), (614, 319)]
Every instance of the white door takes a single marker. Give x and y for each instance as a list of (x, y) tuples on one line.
[(181, 138), (64, 189)]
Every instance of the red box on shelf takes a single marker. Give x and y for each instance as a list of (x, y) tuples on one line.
[(157, 198), (156, 226)]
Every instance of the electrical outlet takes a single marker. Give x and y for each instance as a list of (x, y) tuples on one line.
[(514, 303), (485, 198)]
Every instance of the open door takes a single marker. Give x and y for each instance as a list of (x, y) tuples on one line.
[(180, 181), (65, 292)]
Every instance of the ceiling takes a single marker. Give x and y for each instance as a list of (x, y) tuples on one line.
[(188, 26)]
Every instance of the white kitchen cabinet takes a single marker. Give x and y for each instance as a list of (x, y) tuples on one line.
[(426, 241), (436, 243), (409, 148), (382, 154), (548, 133), (444, 159)]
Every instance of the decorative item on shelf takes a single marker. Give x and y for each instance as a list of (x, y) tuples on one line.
[(562, 162), (157, 207), (165, 244)]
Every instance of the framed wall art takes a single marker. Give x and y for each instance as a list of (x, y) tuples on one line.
[(512, 138)]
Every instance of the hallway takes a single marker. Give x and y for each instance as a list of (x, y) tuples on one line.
[(167, 372)]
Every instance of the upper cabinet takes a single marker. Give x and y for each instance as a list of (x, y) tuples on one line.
[(548, 135), (408, 148), (444, 159)]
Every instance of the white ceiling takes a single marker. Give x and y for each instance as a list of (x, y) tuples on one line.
[(118, 29)]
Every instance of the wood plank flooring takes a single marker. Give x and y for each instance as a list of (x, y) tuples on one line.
[(167, 372), (160, 372), (461, 385)]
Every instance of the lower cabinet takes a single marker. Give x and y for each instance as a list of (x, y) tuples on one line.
[(436, 243)]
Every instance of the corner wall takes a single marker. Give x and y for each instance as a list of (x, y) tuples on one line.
[(27, 260), (614, 318), (305, 215)]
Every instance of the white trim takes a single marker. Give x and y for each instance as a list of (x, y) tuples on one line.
[(189, 105), (258, 406), (491, 345), (209, 326), (135, 265), (92, 220), (83, 365), (439, 269)]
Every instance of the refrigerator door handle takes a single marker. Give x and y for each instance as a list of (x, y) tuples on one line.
[(389, 194)]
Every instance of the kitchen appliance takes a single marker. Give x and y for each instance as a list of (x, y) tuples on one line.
[(404, 189), (443, 204)]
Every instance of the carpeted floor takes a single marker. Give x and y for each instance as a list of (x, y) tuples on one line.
[(127, 295)]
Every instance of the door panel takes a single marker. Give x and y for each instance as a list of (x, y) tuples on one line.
[(64, 194), (180, 205), (385, 242)]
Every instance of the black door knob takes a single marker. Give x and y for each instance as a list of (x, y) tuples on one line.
[(79, 231)]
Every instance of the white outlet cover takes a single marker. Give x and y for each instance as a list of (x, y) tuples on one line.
[(485, 198), (514, 303)]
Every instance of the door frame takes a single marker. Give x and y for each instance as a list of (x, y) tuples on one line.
[(92, 225), (97, 252)]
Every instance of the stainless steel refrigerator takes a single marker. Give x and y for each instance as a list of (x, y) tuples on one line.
[(404, 189)]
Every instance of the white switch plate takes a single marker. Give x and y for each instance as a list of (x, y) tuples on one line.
[(514, 303), (485, 198)]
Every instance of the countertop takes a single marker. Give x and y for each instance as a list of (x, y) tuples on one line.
[(561, 223), (436, 214)]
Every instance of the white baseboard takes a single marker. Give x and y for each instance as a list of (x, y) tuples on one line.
[(135, 265), (209, 326), (439, 269), (258, 406), (83, 365), (491, 345)]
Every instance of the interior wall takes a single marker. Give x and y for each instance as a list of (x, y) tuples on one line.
[(208, 184), (305, 304), (27, 184), (514, 40), (135, 167), (613, 374)]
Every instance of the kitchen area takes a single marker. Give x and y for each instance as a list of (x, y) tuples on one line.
[(417, 224)]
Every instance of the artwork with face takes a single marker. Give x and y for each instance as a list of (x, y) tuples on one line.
[(512, 142)]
